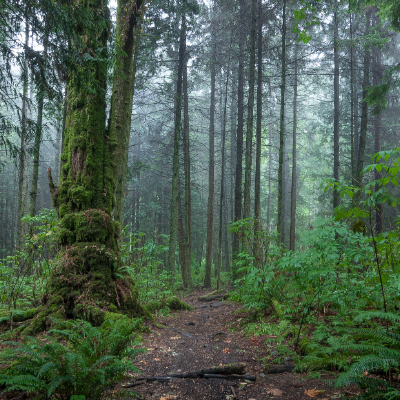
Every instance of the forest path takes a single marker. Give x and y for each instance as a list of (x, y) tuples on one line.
[(193, 340)]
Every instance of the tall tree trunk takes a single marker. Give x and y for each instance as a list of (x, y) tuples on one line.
[(181, 243), (210, 212), (364, 109), (233, 151), (137, 190), (377, 80), (336, 105), (269, 176), (175, 162), (257, 178), (294, 159), (250, 113), (223, 156), (127, 42), (239, 136), (356, 131), (353, 166), (38, 136), (22, 178), (84, 283), (186, 162), (282, 127)]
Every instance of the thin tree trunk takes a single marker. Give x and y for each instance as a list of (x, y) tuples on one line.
[(175, 162), (377, 80), (210, 212), (353, 169), (223, 155), (257, 179), (282, 127), (364, 109), (294, 160), (22, 179), (181, 242), (336, 110), (250, 113), (269, 176), (186, 161), (137, 191), (239, 136), (38, 137)]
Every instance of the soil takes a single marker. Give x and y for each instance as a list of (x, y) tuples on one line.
[(212, 336)]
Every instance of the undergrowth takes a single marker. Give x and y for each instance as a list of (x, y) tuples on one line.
[(76, 359)]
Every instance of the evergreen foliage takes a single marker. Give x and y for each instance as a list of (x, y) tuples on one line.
[(76, 359)]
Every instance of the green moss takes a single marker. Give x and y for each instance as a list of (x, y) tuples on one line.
[(18, 315)]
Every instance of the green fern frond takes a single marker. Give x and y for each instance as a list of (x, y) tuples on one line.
[(92, 359)]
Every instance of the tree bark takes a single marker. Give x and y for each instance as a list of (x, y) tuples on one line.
[(336, 109), (239, 136), (223, 156), (210, 212), (282, 128), (257, 178), (352, 160), (38, 137), (83, 283), (294, 160), (364, 110), (22, 175), (175, 162), (186, 161), (181, 242), (377, 80), (127, 39), (250, 113)]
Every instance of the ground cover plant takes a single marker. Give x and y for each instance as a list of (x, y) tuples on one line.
[(75, 361)]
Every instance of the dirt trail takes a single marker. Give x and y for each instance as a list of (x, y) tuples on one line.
[(204, 339)]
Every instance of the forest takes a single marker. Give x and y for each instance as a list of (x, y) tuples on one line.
[(199, 166)]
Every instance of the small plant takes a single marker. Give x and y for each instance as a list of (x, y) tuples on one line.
[(91, 360)]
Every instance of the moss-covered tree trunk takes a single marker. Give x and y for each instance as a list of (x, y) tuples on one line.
[(127, 40), (84, 282)]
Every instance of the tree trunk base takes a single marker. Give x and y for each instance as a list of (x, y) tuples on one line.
[(83, 285)]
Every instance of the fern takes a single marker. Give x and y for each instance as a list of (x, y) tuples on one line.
[(92, 359), (358, 352)]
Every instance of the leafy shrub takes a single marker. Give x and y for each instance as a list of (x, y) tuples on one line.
[(23, 276), (91, 360)]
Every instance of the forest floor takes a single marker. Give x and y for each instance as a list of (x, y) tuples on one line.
[(212, 336)]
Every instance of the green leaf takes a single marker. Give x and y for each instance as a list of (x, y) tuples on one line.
[(78, 397)]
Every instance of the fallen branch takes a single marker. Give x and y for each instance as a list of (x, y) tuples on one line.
[(229, 371)]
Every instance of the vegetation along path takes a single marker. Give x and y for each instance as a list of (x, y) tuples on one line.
[(211, 336)]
